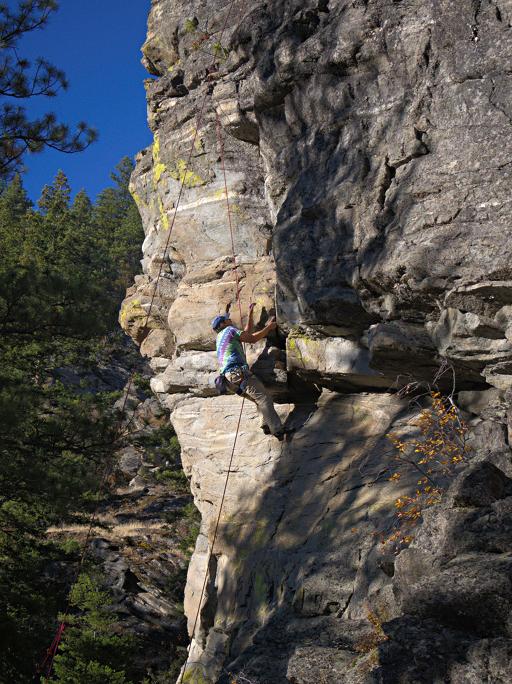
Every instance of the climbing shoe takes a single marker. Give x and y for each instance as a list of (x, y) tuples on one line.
[(285, 431), (266, 429)]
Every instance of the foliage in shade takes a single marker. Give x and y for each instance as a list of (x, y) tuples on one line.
[(63, 270), (91, 651)]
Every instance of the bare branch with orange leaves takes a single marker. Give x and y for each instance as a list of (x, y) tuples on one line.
[(435, 454)]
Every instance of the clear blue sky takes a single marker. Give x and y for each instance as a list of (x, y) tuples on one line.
[(97, 44)]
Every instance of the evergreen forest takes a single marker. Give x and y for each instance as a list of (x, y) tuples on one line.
[(64, 268)]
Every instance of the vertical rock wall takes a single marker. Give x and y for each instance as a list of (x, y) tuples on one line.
[(368, 158)]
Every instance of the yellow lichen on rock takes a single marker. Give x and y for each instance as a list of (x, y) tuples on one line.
[(150, 45), (137, 199), (164, 219), (158, 170), (172, 67), (130, 310), (301, 350), (180, 172), (188, 178), (198, 144), (158, 166), (133, 319)]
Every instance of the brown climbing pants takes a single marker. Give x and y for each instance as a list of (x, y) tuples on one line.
[(256, 392)]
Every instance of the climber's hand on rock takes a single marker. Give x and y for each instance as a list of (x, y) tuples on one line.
[(248, 336)]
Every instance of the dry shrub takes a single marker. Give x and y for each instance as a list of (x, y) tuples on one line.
[(434, 455)]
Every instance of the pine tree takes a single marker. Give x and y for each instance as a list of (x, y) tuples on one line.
[(91, 651), (19, 81), (14, 207), (56, 305), (118, 215)]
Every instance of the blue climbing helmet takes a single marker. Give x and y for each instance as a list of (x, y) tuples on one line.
[(218, 320)]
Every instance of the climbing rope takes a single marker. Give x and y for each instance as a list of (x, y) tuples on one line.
[(220, 141), (214, 539), (237, 284), (45, 668)]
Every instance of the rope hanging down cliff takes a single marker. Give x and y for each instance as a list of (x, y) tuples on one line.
[(45, 667), (219, 514)]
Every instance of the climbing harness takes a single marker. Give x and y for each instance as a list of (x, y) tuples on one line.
[(45, 668), (236, 376)]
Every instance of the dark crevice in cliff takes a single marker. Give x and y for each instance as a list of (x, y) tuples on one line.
[(178, 89), (420, 135), (389, 175), (209, 609), (494, 104), (349, 599), (477, 4), (420, 150), (343, 609), (277, 523), (427, 51)]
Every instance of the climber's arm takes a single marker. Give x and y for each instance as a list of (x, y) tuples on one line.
[(250, 321), (254, 337)]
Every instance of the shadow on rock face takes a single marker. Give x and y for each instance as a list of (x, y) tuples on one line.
[(298, 567), (295, 542), (424, 652)]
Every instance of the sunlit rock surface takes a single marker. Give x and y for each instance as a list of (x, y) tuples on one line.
[(368, 159)]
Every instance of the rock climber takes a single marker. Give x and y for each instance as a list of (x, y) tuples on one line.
[(235, 375)]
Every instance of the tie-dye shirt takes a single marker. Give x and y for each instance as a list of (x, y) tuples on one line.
[(230, 352)]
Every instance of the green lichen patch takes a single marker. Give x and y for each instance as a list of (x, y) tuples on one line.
[(174, 66), (302, 350), (195, 675), (261, 596)]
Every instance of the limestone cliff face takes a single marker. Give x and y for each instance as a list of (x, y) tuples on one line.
[(368, 157)]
